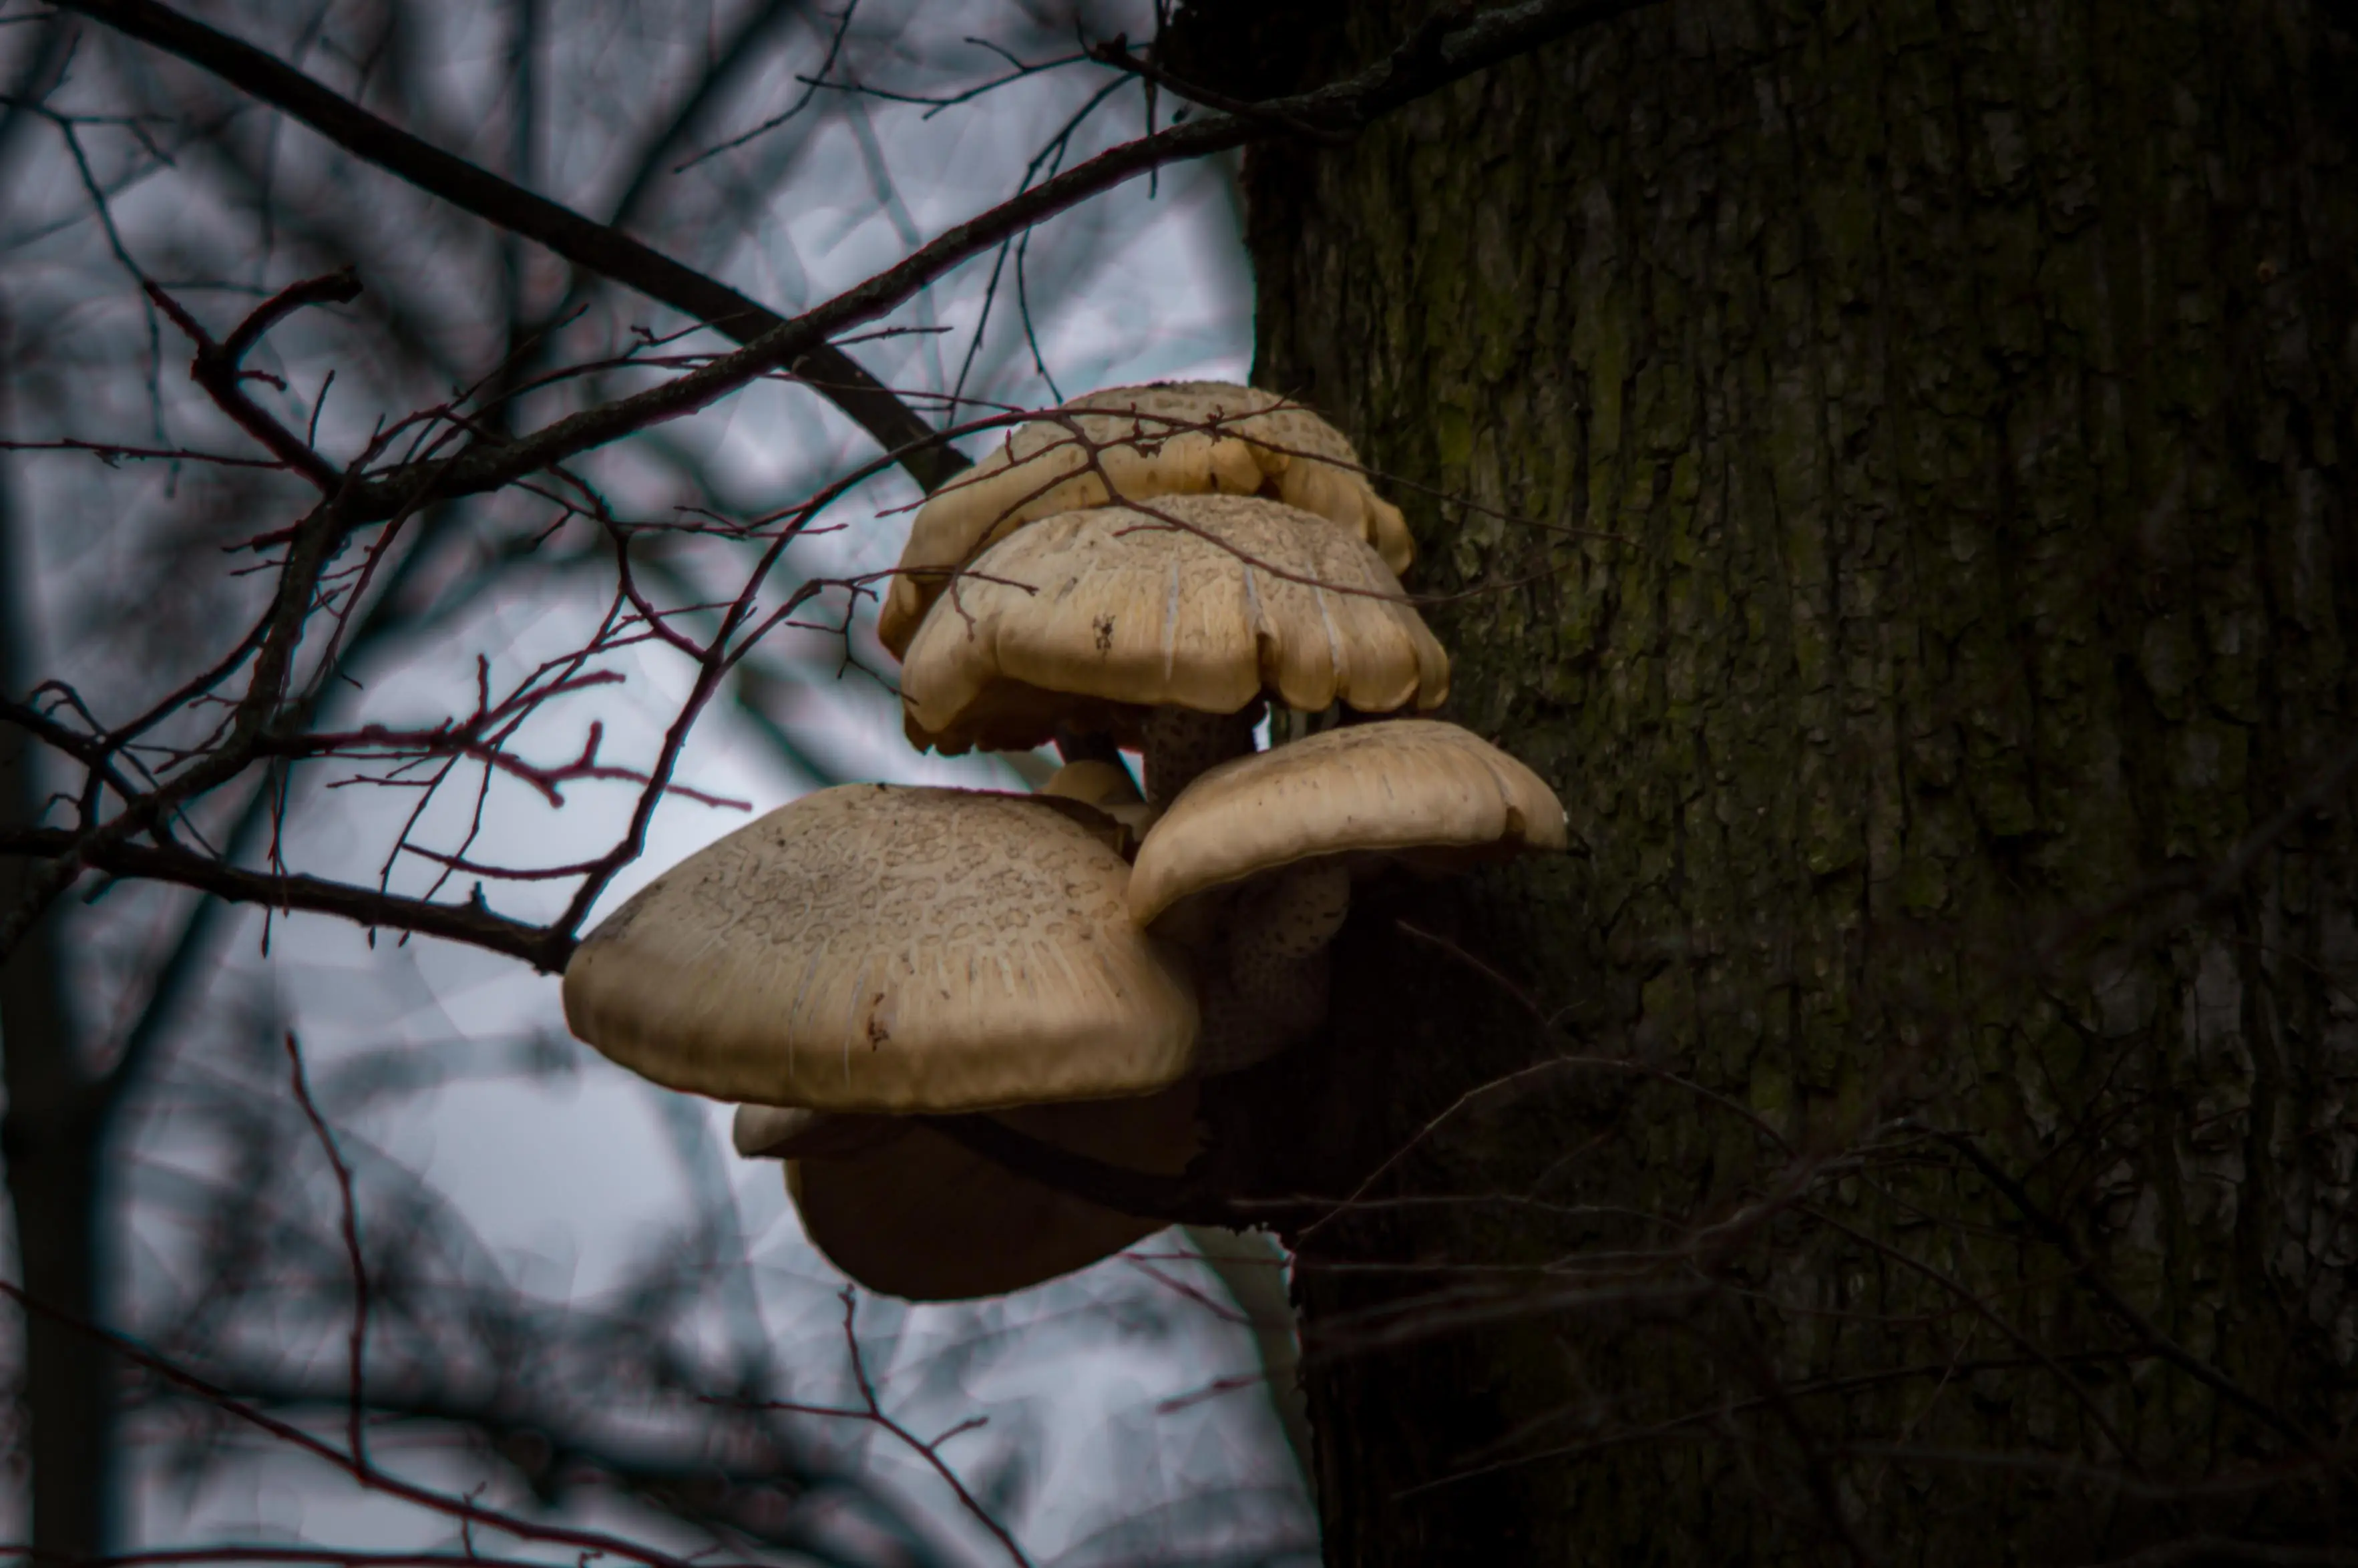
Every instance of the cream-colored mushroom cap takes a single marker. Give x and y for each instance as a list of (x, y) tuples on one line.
[(879, 948), (1094, 617), (1414, 787), (791, 1133), (1093, 782), (927, 1218), (1107, 787), (1184, 437)]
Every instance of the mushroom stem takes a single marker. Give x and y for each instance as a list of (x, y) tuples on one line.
[(1300, 911), (1182, 744), (1268, 989), (1253, 1011), (1086, 746)]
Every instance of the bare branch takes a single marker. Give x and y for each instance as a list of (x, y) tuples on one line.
[(1454, 46), (870, 1409), (608, 252), (351, 1234), (473, 924), (465, 1510), (218, 367)]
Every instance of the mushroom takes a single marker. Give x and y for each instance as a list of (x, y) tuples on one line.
[(792, 1132), (871, 947), (1176, 439), (1093, 782), (1165, 629), (1250, 866), (925, 1217), (1107, 787)]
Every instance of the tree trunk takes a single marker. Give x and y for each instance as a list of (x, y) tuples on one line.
[(1890, 454), (51, 1134), (66, 1401)]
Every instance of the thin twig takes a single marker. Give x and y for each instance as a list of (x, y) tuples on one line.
[(1458, 46), (605, 250), (350, 1226), (593, 1543), (871, 1409)]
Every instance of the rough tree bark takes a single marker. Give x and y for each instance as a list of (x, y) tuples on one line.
[(1957, 736)]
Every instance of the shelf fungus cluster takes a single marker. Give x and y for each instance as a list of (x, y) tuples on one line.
[(872, 970)]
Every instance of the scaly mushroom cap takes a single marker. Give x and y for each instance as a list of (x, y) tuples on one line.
[(1132, 613), (927, 1218), (1414, 787), (878, 948), (1183, 437)]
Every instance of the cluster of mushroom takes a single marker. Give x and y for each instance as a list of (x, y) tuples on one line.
[(1146, 568)]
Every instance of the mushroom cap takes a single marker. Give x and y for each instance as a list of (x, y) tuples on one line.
[(1093, 782), (929, 1219), (1107, 787), (873, 947), (790, 1132), (1183, 438), (1415, 787), (1131, 613)]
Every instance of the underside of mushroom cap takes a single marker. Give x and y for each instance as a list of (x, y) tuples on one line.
[(1415, 787), (877, 948), (1175, 439), (1107, 787), (927, 1218), (1096, 783), (1202, 602), (791, 1133)]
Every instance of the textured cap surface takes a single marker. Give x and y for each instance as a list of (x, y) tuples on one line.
[(1186, 438), (1403, 786), (873, 947), (1094, 616), (929, 1219)]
